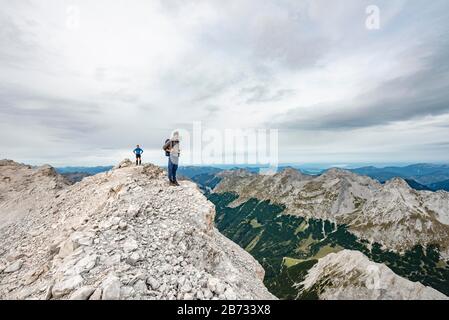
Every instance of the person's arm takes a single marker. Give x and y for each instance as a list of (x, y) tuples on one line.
[(141, 151), (134, 151)]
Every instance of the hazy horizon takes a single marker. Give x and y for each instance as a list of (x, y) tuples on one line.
[(309, 166)]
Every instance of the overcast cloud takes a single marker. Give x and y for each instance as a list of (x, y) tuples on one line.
[(83, 81)]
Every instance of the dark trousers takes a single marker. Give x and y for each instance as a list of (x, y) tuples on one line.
[(172, 170), (138, 159)]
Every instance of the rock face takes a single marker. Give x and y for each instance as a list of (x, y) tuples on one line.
[(123, 234), (392, 214), (19, 190), (351, 275)]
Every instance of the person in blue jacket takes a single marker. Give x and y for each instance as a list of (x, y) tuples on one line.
[(138, 152)]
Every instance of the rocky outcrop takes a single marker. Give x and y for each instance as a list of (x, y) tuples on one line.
[(123, 234), (350, 275), (19, 190), (394, 215)]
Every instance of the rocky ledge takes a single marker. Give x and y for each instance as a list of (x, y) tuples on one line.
[(123, 234)]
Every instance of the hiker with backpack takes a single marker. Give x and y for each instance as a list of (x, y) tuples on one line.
[(138, 152), (172, 151)]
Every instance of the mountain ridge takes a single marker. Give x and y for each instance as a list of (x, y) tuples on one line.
[(122, 234), (392, 214), (424, 173), (351, 275), (289, 245)]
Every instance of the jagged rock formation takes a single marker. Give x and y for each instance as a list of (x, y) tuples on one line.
[(19, 190), (351, 275), (393, 214), (123, 234)]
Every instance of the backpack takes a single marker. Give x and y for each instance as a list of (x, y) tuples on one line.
[(167, 153)]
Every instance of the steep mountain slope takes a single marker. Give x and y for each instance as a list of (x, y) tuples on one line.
[(351, 275), (123, 234), (290, 220), (287, 245), (19, 191), (392, 214), (417, 186)]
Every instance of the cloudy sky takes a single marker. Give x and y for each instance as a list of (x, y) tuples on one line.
[(83, 81)]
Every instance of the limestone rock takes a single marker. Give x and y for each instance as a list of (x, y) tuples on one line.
[(96, 295), (48, 292), (133, 258), (351, 275), (82, 293), (66, 286), (111, 289), (130, 245), (121, 234), (153, 283), (13, 267), (66, 248), (124, 164)]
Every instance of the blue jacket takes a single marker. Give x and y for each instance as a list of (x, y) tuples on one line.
[(138, 151)]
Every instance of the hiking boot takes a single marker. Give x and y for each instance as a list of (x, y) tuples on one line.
[(176, 183)]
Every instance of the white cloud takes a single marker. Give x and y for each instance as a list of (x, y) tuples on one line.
[(126, 72)]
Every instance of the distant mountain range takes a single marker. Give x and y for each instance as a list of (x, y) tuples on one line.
[(290, 221), (371, 210), (76, 174), (432, 177), (89, 170)]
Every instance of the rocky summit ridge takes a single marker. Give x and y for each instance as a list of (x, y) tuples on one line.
[(122, 234)]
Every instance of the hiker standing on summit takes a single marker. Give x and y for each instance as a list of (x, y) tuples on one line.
[(172, 151), (138, 152)]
